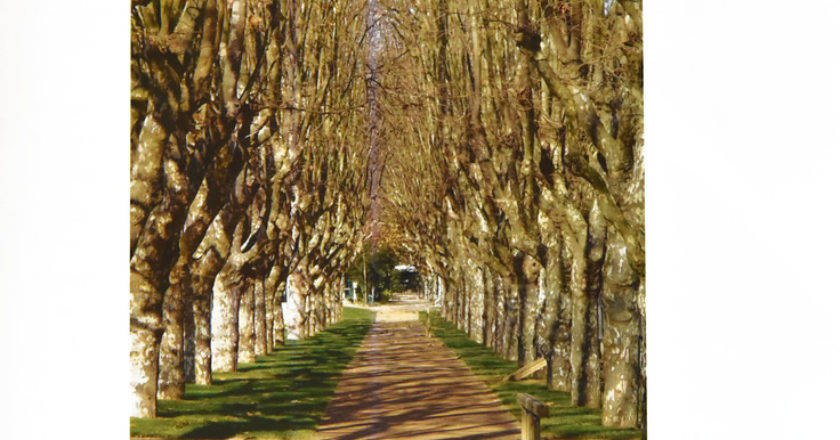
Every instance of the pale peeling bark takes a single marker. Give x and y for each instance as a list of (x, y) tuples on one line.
[(260, 331), (269, 290), (559, 336), (511, 315), (553, 328), (310, 319), (164, 175), (166, 170), (477, 320), (143, 372), (321, 307), (189, 338), (171, 376), (225, 326), (540, 341), (246, 352), (145, 172), (295, 307), (574, 243), (621, 336), (440, 291), (201, 316), (595, 253), (273, 288), (527, 275), (461, 302), (279, 335), (204, 271), (147, 280), (488, 318)]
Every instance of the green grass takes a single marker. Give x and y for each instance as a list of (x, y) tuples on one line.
[(282, 395), (565, 420)]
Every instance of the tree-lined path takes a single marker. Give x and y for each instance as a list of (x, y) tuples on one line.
[(288, 155), (404, 384)]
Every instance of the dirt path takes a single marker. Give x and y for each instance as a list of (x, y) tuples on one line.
[(402, 384)]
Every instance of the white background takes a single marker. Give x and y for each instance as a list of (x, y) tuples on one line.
[(742, 155)]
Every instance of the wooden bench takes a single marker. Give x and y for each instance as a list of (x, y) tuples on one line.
[(527, 369), (532, 410)]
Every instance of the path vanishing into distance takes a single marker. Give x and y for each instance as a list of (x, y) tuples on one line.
[(403, 384)]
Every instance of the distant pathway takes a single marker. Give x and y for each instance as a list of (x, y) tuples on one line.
[(402, 384)]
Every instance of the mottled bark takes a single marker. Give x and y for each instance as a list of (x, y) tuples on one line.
[(574, 260), (497, 316), (555, 320), (201, 316), (145, 171), (621, 336), (595, 252), (171, 376), (143, 372), (488, 309), (273, 288), (527, 272), (295, 307), (376, 45), (462, 303), (559, 336), (260, 343), (269, 293), (511, 332), (280, 297), (247, 334), (225, 326), (189, 336), (476, 302)]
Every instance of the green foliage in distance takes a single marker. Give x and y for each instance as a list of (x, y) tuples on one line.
[(381, 272)]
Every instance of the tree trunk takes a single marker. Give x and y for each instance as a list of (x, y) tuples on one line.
[(201, 316), (556, 321), (574, 258), (246, 352), (511, 317), (269, 290), (225, 326), (527, 274), (295, 307), (273, 304), (595, 250), (171, 374), (486, 309), (476, 302), (189, 335), (152, 233), (279, 336), (621, 336), (321, 308), (497, 310), (463, 303), (143, 361), (260, 344)]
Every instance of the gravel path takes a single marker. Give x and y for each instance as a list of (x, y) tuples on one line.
[(404, 385)]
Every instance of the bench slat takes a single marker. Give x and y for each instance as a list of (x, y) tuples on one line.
[(532, 405)]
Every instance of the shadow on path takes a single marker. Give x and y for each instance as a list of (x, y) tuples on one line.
[(282, 393), (402, 384)]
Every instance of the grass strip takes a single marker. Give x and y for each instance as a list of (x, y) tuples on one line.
[(282, 395), (565, 421)]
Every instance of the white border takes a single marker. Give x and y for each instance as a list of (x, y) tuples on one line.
[(742, 163)]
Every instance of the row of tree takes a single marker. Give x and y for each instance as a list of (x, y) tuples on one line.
[(248, 180), (518, 184)]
